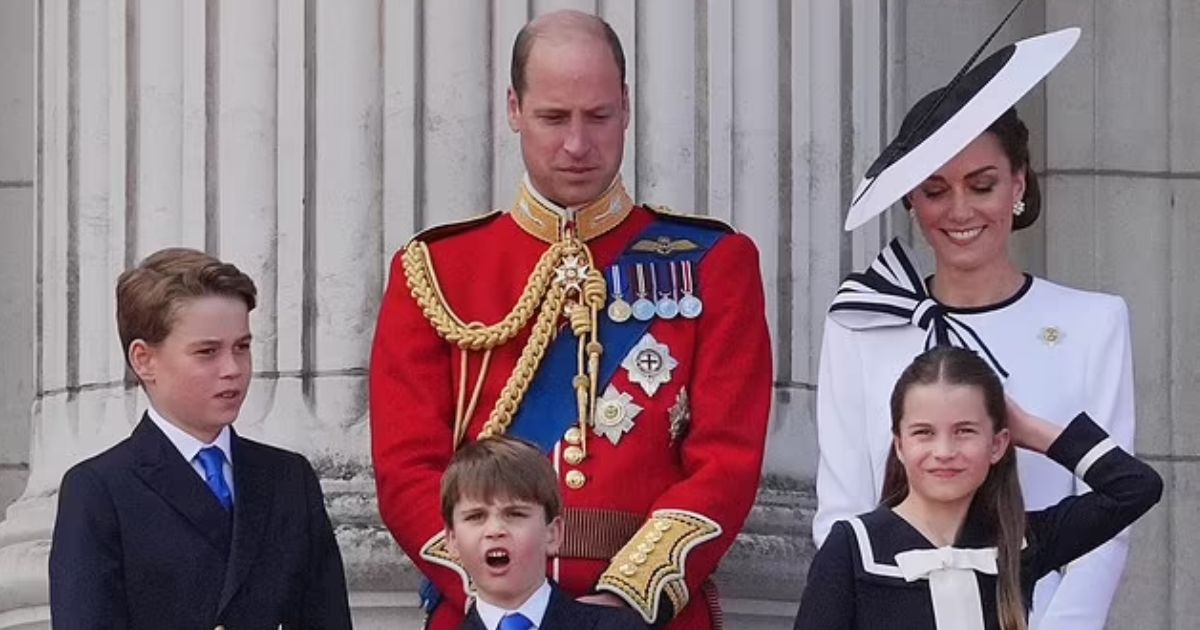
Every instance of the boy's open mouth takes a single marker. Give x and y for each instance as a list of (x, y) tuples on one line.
[(496, 558)]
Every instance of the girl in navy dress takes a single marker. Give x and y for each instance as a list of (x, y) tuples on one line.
[(951, 546)]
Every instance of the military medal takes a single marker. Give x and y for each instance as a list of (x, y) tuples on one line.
[(615, 412), (680, 416), (618, 310), (666, 306), (643, 308), (690, 306), (649, 364)]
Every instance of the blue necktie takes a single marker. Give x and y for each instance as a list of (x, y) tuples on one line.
[(211, 458), (515, 621)]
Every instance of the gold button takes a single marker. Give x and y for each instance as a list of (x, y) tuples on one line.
[(573, 455), (573, 436), (638, 557), (662, 525), (575, 479), (646, 547), (654, 536), (628, 570)]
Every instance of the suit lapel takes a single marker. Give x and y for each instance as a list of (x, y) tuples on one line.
[(162, 468), (253, 483), (559, 612), (473, 620)]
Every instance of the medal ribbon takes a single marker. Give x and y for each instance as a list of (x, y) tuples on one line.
[(548, 407)]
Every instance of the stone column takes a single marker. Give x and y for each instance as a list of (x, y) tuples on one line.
[(251, 130), (1123, 191)]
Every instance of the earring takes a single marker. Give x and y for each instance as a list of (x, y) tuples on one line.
[(912, 213), (1018, 208)]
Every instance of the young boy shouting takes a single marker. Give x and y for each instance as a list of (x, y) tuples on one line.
[(501, 505), (186, 524)]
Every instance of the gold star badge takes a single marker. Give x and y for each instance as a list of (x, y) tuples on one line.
[(680, 416)]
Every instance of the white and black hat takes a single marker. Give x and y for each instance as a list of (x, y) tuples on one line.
[(946, 120)]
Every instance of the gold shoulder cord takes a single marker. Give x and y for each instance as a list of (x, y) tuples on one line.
[(564, 282)]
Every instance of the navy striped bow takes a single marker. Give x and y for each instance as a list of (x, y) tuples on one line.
[(891, 293)]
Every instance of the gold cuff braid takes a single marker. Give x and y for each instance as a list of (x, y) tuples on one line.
[(652, 563)]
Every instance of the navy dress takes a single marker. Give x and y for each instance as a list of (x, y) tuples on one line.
[(862, 578)]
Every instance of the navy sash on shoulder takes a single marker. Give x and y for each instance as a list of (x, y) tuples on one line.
[(549, 407)]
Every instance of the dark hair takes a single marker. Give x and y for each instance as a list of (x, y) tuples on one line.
[(1014, 141), (531, 31), (150, 294), (998, 500), (500, 467)]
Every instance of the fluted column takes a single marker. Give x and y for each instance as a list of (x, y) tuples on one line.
[(307, 141), (251, 130)]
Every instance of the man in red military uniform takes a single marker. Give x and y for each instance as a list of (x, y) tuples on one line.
[(630, 344)]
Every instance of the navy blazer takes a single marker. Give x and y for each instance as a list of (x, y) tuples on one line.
[(564, 613), (141, 542)]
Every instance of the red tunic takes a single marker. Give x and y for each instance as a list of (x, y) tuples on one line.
[(713, 470)]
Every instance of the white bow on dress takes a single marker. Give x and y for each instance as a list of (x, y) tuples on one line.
[(952, 582)]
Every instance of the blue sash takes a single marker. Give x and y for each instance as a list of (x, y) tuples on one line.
[(549, 407)]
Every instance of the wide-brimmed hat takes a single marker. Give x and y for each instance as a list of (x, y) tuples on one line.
[(944, 122)]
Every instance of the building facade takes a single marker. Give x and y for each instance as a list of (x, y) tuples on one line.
[(307, 141)]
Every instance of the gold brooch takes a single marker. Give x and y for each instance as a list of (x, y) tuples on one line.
[(1051, 336)]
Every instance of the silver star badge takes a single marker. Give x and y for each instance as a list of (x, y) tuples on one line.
[(649, 364), (570, 272), (615, 412)]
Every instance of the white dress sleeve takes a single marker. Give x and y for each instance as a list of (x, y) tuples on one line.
[(1090, 583), (845, 473)]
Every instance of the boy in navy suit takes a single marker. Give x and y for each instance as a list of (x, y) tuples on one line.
[(185, 524), (502, 509)]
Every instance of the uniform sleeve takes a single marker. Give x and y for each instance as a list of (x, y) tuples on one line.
[(1124, 489), (845, 472), (326, 605), (1089, 584), (412, 415), (829, 602), (694, 522), (87, 579)]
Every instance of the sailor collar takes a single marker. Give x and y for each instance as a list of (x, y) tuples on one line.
[(891, 548), (547, 220)]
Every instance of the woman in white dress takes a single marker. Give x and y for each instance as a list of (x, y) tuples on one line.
[(1059, 350)]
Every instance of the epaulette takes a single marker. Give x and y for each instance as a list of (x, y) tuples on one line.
[(431, 234), (665, 212)]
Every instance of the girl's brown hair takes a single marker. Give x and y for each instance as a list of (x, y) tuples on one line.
[(998, 500)]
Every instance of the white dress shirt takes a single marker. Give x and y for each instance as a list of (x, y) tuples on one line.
[(533, 609), (188, 446)]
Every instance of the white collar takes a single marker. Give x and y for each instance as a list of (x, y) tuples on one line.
[(187, 445), (534, 608)]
